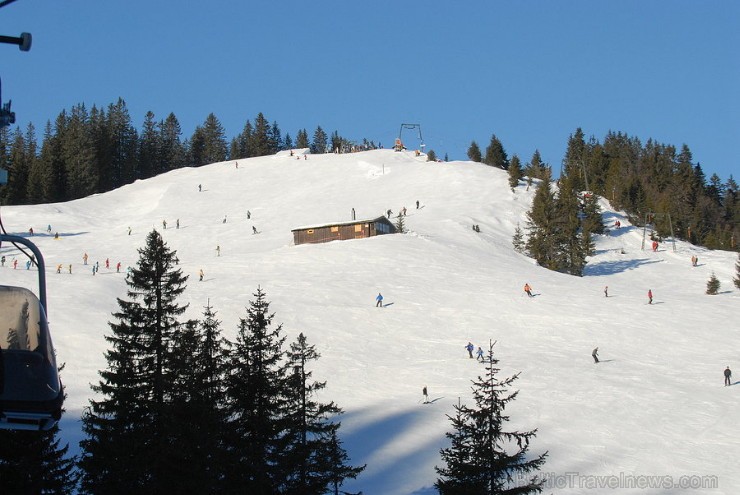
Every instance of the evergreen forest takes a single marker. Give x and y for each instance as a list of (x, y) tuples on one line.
[(85, 152)]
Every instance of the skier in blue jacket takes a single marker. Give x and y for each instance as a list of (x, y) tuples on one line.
[(379, 300)]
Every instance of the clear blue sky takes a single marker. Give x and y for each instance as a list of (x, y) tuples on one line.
[(529, 71)]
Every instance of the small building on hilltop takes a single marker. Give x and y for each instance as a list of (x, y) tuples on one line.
[(339, 231)]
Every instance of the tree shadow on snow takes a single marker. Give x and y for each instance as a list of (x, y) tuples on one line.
[(612, 267), (366, 441), (46, 234), (614, 232)]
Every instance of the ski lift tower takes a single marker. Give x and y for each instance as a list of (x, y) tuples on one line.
[(650, 220), (411, 127)]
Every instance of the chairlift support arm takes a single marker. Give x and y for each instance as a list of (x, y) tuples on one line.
[(39, 263)]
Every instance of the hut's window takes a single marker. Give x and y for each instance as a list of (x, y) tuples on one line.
[(358, 228), (309, 231), (335, 229)]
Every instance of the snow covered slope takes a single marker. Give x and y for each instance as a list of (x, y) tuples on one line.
[(656, 406)]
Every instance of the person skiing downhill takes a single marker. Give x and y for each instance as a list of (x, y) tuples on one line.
[(606, 291), (470, 348), (426, 395), (595, 355), (528, 290), (379, 300), (650, 296), (728, 376), (479, 355)]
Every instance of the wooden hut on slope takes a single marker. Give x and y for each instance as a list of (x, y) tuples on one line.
[(339, 231)]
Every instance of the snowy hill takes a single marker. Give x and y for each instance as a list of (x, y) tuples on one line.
[(656, 406)]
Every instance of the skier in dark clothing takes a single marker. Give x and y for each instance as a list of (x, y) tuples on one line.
[(728, 376), (426, 395), (595, 355), (470, 348)]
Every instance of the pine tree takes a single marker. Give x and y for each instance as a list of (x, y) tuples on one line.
[(33, 462), (474, 153), (172, 151), (240, 145), (518, 240), (55, 176), (260, 141), (515, 171), (575, 159), (302, 139), (336, 142), (312, 458), (496, 155), (319, 143), (255, 387), (536, 168), (196, 148), (592, 220), (214, 140), (78, 153), (484, 457), (275, 138), (36, 170), (122, 139), (541, 241), (198, 416), (572, 245), (18, 170), (400, 224), (149, 149), (713, 285), (127, 446)]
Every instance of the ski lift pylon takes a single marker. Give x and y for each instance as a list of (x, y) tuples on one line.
[(412, 126)]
